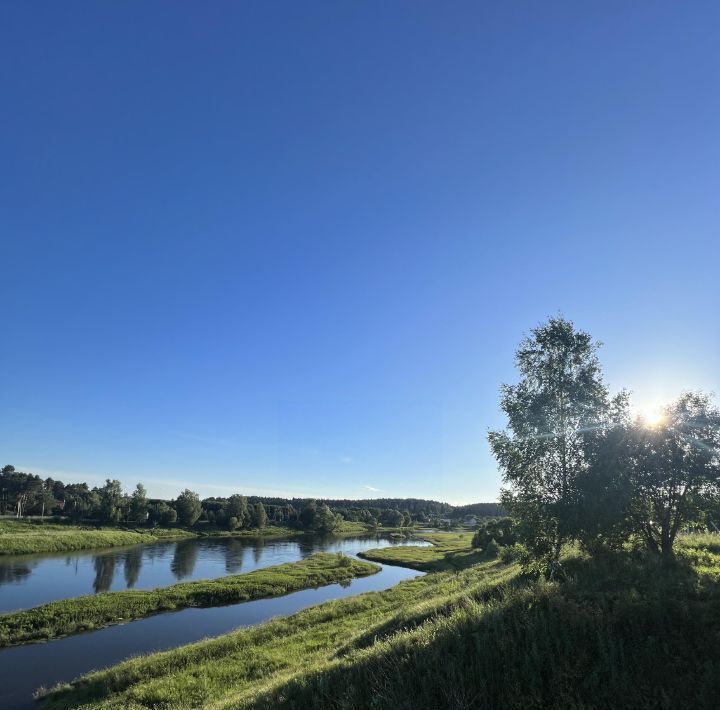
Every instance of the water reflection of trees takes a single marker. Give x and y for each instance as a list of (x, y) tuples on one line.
[(133, 564), (234, 555), (184, 559), (258, 550), (14, 573), (104, 572)]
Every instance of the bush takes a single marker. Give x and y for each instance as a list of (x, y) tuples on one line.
[(511, 553), (492, 549), (344, 560), (501, 530)]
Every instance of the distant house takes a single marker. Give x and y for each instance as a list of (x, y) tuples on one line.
[(471, 521)]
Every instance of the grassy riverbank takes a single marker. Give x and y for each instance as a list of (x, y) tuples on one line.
[(19, 537), (449, 551), (70, 616), (618, 632)]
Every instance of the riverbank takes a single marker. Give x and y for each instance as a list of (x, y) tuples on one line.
[(78, 614), (449, 551), (20, 537)]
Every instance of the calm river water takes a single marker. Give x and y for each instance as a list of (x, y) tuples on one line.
[(35, 579)]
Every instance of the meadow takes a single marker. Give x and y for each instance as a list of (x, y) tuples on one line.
[(19, 537)]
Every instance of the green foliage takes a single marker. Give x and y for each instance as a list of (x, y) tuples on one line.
[(237, 507), (674, 469), (308, 514), (161, 513), (319, 518), (138, 511), (560, 395), (259, 516), (325, 520), (499, 530), (513, 553), (111, 501), (188, 507), (492, 549)]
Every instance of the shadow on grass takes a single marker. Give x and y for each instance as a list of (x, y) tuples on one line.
[(619, 633)]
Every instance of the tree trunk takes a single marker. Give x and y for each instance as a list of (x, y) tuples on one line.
[(666, 541)]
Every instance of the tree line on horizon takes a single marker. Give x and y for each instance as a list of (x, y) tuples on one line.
[(26, 494), (580, 467)]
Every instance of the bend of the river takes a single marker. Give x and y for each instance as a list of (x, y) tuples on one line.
[(24, 669)]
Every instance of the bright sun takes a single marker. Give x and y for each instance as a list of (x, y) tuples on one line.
[(650, 416)]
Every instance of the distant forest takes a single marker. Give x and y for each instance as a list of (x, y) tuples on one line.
[(27, 494)]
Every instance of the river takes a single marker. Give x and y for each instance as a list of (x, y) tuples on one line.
[(35, 579)]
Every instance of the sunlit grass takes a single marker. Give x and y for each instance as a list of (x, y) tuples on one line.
[(24, 537)]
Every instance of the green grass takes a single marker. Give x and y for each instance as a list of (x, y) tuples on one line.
[(706, 541), (449, 551), (272, 530), (24, 537), (621, 631), (70, 616), (237, 668)]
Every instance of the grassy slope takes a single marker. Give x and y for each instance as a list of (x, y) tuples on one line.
[(22, 537), (620, 633), (450, 551), (238, 667), (94, 611)]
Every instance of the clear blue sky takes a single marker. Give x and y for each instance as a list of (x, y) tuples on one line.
[(291, 247)]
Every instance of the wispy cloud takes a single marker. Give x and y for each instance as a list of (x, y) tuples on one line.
[(372, 488)]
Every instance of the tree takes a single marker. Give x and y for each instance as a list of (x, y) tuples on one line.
[(560, 397), (138, 512), (325, 520), (232, 523), (188, 507), (392, 518), (674, 469), (111, 498), (237, 507), (308, 514), (499, 530), (161, 513), (604, 487), (259, 515)]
